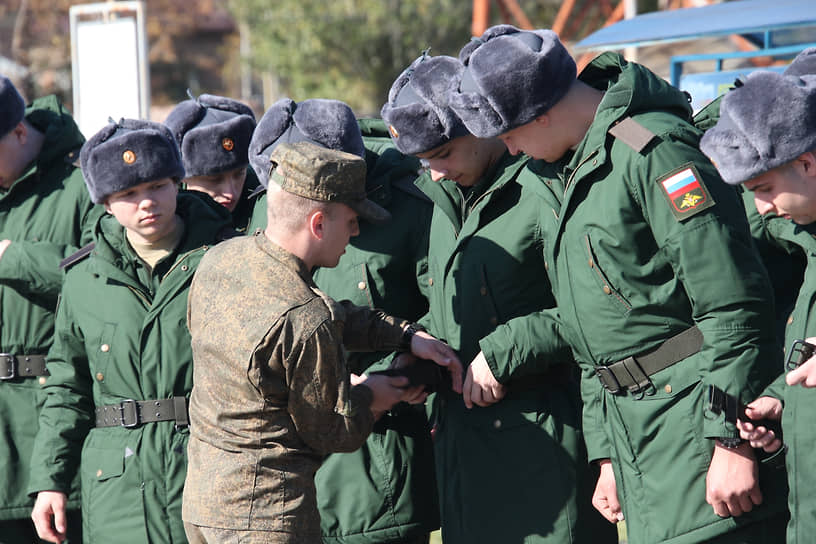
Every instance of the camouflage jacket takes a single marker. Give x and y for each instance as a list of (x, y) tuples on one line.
[(271, 395)]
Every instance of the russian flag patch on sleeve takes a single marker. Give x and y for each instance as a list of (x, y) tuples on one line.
[(686, 192)]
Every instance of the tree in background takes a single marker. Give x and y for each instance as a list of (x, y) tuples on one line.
[(352, 50)]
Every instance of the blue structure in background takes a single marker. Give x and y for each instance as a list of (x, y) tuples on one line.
[(779, 28)]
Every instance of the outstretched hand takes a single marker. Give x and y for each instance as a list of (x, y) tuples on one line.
[(760, 436), (425, 346)]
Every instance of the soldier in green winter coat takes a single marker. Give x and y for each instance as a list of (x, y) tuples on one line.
[(511, 463), (44, 208), (213, 134), (784, 261), (765, 140), (121, 364), (660, 291), (385, 492)]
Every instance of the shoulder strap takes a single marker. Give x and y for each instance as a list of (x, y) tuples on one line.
[(77, 256), (632, 133)]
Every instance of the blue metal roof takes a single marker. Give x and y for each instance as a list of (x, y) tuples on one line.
[(735, 17)]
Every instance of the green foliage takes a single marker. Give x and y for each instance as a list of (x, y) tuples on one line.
[(351, 50)]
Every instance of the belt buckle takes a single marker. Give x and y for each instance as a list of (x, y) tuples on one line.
[(135, 409), (607, 379), (12, 366)]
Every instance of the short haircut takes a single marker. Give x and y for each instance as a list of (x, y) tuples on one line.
[(288, 211)]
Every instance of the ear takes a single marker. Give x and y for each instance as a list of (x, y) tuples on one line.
[(107, 207), (807, 161), (21, 133), (317, 220)]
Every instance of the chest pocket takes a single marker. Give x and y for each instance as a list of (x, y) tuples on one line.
[(103, 350), (605, 287)]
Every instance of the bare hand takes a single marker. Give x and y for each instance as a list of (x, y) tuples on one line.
[(481, 387), (425, 346), (387, 390), (605, 497), (49, 516), (732, 483), (757, 435), (806, 373)]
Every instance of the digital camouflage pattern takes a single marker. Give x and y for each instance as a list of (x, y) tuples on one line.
[(272, 396)]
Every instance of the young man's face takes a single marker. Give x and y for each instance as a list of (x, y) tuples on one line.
[(463, 160), (788, 191), (12, 157), (539, 139), (146, 210), (339, 225), (225, 188)]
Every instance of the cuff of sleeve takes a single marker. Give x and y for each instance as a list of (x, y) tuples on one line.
[(360, 397), (492, 350), (776, 389), (45, 483), (597, 445)]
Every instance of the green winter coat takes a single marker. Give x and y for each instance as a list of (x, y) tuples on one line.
[(122, 334), (515, 471), (386, 490), (44, 214), (798, 401), (627, 275)]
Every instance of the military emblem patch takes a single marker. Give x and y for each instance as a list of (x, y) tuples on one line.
[(228, 144), (393, 131), (686, 192), (129, 156)]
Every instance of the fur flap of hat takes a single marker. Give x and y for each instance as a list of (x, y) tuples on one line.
[(214, 143), (804, 64), (417, 113), (767, 122), (511, 76), (125, 154), (327, 123), (12, 106)]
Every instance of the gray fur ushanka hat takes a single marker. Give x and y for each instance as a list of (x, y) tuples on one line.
[(804, 64), (213, 134), (125, 154), (417, 112), (327, 123), (766, 122), (12, 106), (511, 77)]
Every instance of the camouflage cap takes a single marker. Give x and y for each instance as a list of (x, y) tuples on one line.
[(327, 175)]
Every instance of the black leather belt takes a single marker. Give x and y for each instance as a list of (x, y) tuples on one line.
[(21, 366), (132, 413), (632, 373)]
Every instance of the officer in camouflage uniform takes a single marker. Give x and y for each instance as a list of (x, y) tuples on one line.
[(213, 134), (121, 364), (44, 208), (765, 140), (510, 459), (385, 492), (272, 395), (659, 289)]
